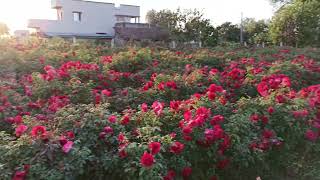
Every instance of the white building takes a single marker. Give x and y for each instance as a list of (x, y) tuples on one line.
[(85, 19)]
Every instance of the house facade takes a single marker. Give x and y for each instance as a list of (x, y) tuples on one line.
[(85, 19)]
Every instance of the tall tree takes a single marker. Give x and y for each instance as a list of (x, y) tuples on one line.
[(256, 32), (297, 24), (185, 25), (229, 32)]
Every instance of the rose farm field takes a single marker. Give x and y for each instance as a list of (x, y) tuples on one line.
[(90, 112)]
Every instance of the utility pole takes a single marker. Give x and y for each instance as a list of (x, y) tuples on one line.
[(241, 29)]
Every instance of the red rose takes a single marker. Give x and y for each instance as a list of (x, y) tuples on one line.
[(63, 140), (157, 108), (38, 131), (125, 120), (223, 164), (20, 175), (147, 160), (67, 147), (187, 130), (123, 154), (70, 135), (254, 118), (311, 135), (144, 107), (186, 172), (20, 130), (216, 120), (108, 130), (154, 147), (170, 175), (106, 92), (112, 119), (187, 115), (176, 147)]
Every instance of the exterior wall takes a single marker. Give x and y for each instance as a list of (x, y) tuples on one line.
[(96, 17)]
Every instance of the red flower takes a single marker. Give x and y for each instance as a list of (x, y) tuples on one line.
[(216, 120), (70, 135), (18, 120), (280, 99), (38, 131), (121, 138), (265, 120), (176, 147), (157, 108), (267, 133), (263, 89), (174, 105), (215, 88), (123, 154), (186, 172), (20, 175), (106, 92), (187, 130), (214, 134), (20, 130), (187, 137), (125, 120), (144, 107), (161, 86), (213, 178), (311, 135), (173, 135), (254, 118), (154, 147), (170, 175), (108, 130), (225, 144), (67, 147), (187, 115), (147, 160), (63, 140), (223, 164), (300, 114), (112, 119)]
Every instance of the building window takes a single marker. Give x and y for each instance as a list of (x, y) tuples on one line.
[(77, 16)]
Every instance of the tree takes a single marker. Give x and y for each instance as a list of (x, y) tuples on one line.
[(228, 32), (297, 24), (3, 29), (185, 26), (168, 19), (256, 32)]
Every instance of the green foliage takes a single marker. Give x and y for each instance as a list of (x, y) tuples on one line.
[(185, 26), (297, 24), (228, 32)]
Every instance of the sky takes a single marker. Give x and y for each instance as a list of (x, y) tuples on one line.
[(15, 13)]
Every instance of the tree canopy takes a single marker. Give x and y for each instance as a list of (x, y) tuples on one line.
[(297, 24), (184, 25)]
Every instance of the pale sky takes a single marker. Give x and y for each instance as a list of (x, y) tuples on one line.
[(15, 13)]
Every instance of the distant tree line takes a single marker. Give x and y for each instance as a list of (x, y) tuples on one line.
[(296, 23)]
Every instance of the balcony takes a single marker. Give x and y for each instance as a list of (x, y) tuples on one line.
[(56, 4)]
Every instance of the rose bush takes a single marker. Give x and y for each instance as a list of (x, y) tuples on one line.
[(82, 113)]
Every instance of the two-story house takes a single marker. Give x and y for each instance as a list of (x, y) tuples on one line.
[(85, 19)]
